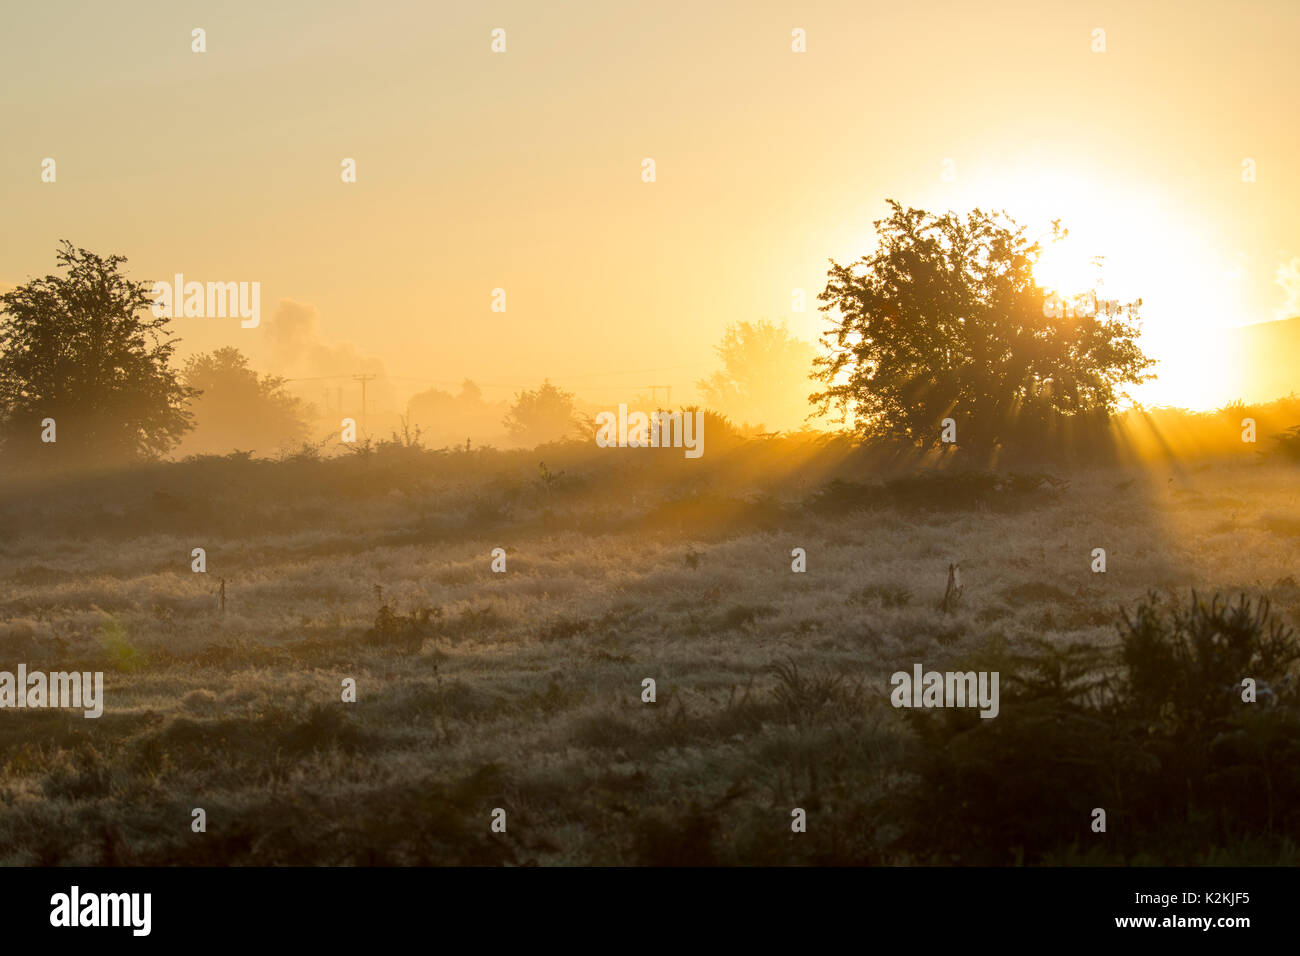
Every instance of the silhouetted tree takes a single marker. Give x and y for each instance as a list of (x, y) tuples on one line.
[(543, 415), (946, 320), (236, 408), (447, 419), (470, 392), (432, 405), (82, 348), (764, 377)]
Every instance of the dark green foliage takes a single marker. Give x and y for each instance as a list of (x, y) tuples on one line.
[(1186, 664), (76, 348), (1154, 732)]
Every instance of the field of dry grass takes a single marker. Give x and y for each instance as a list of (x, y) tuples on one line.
[(523, 690)]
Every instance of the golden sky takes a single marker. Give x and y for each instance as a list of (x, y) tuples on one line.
[(522, 170)]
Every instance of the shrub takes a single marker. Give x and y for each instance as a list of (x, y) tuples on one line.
[(406, 632), (1186, 665), (1288, 443), (1155, 732)]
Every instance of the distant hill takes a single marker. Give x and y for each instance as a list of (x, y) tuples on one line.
[(1265, 359)]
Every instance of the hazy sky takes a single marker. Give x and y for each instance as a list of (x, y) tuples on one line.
[(522, 170)]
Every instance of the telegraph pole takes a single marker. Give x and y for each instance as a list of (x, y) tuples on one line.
[(668, 393), (363, 378)]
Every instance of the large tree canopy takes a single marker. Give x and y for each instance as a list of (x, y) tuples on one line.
[(82, 348), (945, 320)]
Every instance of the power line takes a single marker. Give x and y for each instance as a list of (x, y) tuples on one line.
[(448, 381)]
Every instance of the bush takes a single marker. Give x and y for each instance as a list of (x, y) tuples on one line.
[(1155, 732), (1186, 665), (403, 631), (1288, 443)]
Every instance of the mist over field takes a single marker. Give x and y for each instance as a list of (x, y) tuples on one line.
[(522, 689), (570, 435)]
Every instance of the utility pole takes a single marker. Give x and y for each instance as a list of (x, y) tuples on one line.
[(363, 378), (668, 393)]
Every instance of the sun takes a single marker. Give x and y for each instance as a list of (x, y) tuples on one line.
[(1065, 268), (1125, 244)]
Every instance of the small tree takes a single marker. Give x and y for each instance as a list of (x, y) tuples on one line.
[(76, 348), (946, 320), (764, 376), (541, 416), (234, 407)]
